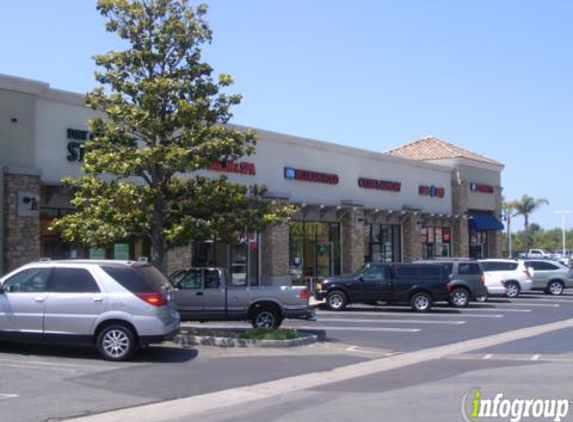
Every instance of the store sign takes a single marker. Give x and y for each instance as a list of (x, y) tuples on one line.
[(385, 185), (310, 176), (76, 143), (481, 188), (234, 167), (432, 191)]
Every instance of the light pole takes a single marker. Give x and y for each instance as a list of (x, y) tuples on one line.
[(563, 214)]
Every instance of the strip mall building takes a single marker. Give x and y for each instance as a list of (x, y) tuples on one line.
[(423, 200)]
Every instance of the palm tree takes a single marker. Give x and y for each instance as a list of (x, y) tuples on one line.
[(508, 210), (525, 207)]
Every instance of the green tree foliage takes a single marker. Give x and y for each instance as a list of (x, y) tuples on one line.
[(164, 116)]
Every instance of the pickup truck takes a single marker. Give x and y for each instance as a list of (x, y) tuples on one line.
[(536, 254), (419, 285), (206, 294)]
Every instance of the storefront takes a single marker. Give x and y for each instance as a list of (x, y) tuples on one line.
[(354, 206)]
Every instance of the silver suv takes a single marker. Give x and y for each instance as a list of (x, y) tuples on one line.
[(117, 306)]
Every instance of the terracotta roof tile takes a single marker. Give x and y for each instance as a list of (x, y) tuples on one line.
[(428, 149)]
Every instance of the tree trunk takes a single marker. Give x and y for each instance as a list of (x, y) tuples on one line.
[(158, 248)]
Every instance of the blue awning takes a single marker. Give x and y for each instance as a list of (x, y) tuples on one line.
[(483, 222)]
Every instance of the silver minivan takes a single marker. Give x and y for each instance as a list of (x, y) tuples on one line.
[(116, 306)]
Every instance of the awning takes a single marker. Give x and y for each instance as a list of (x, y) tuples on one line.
[(483, 222)]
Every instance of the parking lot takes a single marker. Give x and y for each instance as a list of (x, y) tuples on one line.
[(40, 383)]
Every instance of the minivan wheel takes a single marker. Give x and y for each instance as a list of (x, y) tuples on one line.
[(336, 300), (116, 342), (421, 302), (266, 318), (512, 289), (460, 298), (555, 288)]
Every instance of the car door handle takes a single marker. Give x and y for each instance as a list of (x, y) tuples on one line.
[(38, 299), (199, 293), (98, 299)]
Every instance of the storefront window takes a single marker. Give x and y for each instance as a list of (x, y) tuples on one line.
[(314, 250), (479, 244), (436, 242), (382, 243)]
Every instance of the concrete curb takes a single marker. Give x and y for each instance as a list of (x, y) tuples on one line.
[(185, 339)]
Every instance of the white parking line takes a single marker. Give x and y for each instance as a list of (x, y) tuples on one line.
[(499, 310), (488, 356), (318, 327), (8, 396), (381, 329), (535, 357), (390, 321), (409, 314), (543, 305)]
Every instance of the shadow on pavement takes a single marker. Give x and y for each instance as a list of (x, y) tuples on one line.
[(157, 353)]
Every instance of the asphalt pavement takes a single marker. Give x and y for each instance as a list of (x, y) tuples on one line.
[(39, 384)]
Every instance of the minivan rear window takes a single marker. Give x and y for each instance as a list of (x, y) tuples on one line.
[(137, 279)]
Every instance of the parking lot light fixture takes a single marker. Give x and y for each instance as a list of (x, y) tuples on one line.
[(563, 214)]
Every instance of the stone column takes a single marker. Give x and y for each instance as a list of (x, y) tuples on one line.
[(352, 240), (21, 217), (497, 246), (460, 237), (411, 238), (275, 255), (460, 231)]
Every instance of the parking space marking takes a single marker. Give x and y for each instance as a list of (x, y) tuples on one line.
[(542, 305), (411, 314), (293, 324), (8, 396), (488, 356), (390, 321), (373, 329), (52, 366), (499, 310), (535, 357)]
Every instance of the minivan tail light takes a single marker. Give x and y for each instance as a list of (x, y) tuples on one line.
[(527, 273), (482, 278), (303, 293), (155, 299), (449, 287)]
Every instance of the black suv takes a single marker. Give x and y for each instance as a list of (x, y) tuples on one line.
[(467, 280), (420, 285)]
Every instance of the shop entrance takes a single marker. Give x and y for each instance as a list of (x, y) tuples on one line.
[(314, 251)]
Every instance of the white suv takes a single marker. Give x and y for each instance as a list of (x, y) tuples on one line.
[(116, 306), (514, 275)]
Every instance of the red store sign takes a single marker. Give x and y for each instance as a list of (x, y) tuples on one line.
[(479, 187), (386, 185), (234, 167), (432, 191), (310, 176)]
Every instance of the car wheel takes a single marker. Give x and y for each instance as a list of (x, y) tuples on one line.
[(336, 300), (266, 318), (481, 299), (116, 342), (555, 288), (512, 289), (421, 302), (460, 298)]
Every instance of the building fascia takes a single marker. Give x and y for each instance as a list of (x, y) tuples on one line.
[(267, 135)]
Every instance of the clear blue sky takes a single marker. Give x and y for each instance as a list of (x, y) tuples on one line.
[(490, 76)]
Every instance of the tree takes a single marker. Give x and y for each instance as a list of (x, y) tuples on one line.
[(164, 119), (525, 207), (508, 211)]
